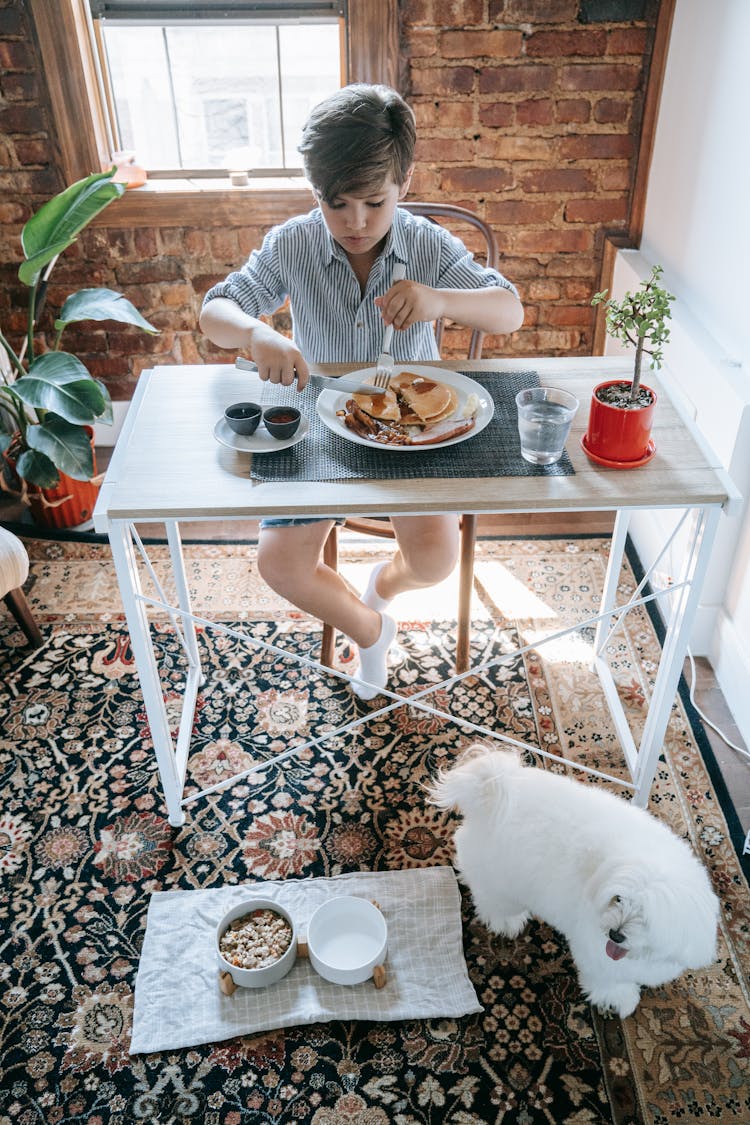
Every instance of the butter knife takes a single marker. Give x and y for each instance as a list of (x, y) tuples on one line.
[(343, 384), (354, 386)]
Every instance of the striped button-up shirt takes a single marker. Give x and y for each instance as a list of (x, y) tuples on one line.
[(333, 322)]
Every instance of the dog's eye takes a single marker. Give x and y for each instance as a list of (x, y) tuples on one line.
[(617, 899)]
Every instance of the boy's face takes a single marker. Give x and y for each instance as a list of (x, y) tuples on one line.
[(360, 223)]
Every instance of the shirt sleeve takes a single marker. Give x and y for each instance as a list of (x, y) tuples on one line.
[(459, 270), (258, 287)]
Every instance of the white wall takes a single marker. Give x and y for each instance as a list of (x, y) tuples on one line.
[(697, 226)]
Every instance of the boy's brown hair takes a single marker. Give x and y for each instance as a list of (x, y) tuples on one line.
[(356, 139)]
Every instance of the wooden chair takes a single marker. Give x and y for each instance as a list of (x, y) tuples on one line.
[(382, 528), (14, 570)]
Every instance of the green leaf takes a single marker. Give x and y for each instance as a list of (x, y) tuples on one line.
[(58, 222), (106, 418), (29, 272), (37, 469), (101, 304), (68, 447), (59, 382)]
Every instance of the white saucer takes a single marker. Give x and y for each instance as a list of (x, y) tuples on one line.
[(259, 442)]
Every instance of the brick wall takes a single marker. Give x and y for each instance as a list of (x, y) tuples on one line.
[(527, 113)]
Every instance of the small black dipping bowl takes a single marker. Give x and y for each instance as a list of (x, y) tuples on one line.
[(282, 422), (243, 417)]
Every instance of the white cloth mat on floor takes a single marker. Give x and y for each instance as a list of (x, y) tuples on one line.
[(177, 998)]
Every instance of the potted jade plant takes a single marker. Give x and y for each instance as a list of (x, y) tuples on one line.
[(48, 399), (621, 410)]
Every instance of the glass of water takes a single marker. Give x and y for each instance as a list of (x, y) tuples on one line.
[(544, 418)]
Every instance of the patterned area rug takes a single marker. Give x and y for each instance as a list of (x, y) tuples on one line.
[(84, 841)]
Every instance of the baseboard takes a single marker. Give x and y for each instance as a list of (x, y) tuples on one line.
[(105, 437), (648, 531), (730, 658)]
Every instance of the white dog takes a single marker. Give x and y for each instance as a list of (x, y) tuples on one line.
[(632, 900)]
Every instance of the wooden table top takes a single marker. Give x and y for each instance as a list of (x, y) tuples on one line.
[(167, 464)]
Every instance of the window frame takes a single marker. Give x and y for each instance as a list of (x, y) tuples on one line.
[(81, 122)]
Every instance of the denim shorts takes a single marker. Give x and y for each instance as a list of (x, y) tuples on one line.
[(280, 522)]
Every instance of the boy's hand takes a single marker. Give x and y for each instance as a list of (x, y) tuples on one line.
[(278, 360), (490, 309), (408, 302)]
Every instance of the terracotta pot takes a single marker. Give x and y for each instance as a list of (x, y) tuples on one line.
[(78, 498), (619, 436)]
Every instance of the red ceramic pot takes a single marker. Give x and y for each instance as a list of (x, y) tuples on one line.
[(617, 435), (78, 500), (70, 503)]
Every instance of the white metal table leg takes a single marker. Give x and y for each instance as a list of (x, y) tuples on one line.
[(148, 673), (612, 578), (183, 595), (195, 677), (680, 623)]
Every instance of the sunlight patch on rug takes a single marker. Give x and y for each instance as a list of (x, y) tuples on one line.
[(510, 595)]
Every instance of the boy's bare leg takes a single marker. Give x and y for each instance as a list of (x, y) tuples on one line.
[(289, 560), (427, 553)]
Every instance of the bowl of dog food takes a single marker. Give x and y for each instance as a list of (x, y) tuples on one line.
[(256, 943), (347, 939)]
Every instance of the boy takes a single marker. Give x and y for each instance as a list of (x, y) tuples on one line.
[(335, 265)]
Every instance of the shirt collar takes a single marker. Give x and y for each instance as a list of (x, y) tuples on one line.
[(395, 244), (329, 248)]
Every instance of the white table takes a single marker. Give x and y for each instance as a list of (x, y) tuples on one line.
[(167, 467)]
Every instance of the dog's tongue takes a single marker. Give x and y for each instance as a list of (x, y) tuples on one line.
[(615, 951)]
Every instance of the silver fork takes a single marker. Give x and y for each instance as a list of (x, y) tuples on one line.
[(384, 365), (384, 373)]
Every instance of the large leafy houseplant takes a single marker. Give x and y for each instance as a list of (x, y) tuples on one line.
[(48, 398), (621, 410)]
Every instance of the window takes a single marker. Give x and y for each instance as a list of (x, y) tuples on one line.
[(82, 116), (197, 89)]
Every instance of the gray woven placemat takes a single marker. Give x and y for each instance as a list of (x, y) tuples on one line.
[(496, 451)]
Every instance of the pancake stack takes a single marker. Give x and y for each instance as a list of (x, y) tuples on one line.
[(427, 401), (411, 400), (415, 410), (384, 407)]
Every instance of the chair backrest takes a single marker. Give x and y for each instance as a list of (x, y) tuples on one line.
[(459, 215)]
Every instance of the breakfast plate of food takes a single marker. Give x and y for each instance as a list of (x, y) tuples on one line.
[(423, 408)]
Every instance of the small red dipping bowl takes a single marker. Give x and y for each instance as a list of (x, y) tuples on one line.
[(282, 421)]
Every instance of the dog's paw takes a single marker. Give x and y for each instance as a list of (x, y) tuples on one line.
[(509, 925), (621, 1001)]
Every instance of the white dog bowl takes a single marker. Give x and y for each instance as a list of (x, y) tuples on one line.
[(268, 974), (346, 938)]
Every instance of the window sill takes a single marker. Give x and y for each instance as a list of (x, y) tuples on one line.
[(208, 203)]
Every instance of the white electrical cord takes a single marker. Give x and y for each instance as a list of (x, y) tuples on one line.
[(733, 746), (740, 749), (704, 718)]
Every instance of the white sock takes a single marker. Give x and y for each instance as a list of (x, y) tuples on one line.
[(373, 661), (371, 597)]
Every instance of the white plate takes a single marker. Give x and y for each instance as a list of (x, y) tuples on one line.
[(259, 442), (330, 401)]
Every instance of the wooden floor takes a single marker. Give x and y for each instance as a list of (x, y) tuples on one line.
[(707, 696)]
